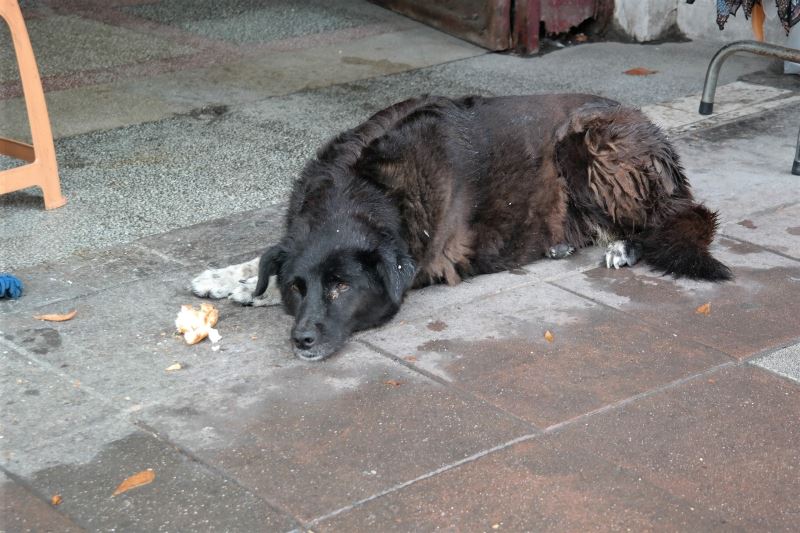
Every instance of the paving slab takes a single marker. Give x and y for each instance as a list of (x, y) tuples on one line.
[(727, 441), (184, 495), (22, 510), (748, 315), (675, 460), (785, 362), (777, 229), (82, 273), (101, 46), (316, 438), (549, 484), (496, 348), (744, 167)]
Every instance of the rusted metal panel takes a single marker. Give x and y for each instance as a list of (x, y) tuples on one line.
[(561, 15), (486, 23)]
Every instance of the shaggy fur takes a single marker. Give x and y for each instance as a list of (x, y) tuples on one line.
[(432, 190)]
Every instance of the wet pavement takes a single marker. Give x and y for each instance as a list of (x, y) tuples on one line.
[(653, 404)]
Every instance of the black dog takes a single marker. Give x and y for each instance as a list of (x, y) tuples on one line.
[(432, 190)]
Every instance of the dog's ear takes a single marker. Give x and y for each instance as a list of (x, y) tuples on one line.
[(397, 270), (268, 266)]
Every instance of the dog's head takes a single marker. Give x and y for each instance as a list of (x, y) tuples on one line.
[(335, 285)]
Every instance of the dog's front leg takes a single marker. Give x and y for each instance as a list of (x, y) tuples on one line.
[(237, 283)]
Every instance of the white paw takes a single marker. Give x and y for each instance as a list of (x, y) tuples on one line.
[(622, 253), (243, 293), (222, 282)]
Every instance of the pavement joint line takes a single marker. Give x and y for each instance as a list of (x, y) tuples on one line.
[(722, 119), (160, 254), (448, 385), (759, 246), (644, 322), (40, 496), (770, 351), (769, 210), (784, 377), (143, 426), (636, 397), (553, 429), (432, 473)]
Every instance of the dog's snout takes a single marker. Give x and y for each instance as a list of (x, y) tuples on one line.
[(304, 338)]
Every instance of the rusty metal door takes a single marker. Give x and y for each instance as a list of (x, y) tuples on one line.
[(500, 24)]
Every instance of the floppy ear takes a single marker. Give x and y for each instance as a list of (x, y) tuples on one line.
[(268, 266), (397, 270)]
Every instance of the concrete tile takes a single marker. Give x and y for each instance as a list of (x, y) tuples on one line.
[(753, 313), (668, 118), (549, 484), (100, 46), (727, 442), (730, 97), (217, 241), (777, 229), (731, 176), (496, 348), (122, 340), (785, 362), (22, 510), (316, 437), (38, 404), (184, 496), (82, 273)]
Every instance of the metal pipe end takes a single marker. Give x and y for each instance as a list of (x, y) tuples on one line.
[(796, 168), (706, 108)]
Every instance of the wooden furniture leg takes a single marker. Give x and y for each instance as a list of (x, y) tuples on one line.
[(41, 170)]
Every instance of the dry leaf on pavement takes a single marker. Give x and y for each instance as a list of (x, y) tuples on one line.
[(137, 480), (57, 317), (704, 309), (55, 500), (176, 366), (640, 71), (392, 382), (548, 336)]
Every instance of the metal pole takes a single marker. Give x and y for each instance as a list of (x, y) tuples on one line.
[(751, 47), (796, 164)]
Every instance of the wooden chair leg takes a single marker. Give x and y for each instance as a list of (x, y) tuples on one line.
[(42, 170)]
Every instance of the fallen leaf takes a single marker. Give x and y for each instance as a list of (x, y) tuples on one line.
[(548, 336), (57, 317), (137, 480), (704, 309), (392, 382), (581, 38), (176, 366), (55, 500), (712, 381), (410, 358), (640, 71)]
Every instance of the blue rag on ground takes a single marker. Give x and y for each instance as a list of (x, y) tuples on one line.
[(10, 286)]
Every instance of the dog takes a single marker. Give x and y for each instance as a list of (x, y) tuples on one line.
[(433, 189)]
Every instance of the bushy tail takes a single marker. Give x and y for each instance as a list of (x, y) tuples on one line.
[(679, 245)]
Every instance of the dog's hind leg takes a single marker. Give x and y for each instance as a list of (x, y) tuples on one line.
[(560, 251), (235, 282), (623, 253)]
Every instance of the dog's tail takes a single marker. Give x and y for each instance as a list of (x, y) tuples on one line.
[(679, 245)]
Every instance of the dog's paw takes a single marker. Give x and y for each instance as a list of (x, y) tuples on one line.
[(222, 282), (622, 253), (243, 293), (560, 251)]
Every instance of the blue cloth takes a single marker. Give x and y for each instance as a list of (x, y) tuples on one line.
[(10, 286)]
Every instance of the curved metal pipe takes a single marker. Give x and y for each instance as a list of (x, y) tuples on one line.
[(751, 47)]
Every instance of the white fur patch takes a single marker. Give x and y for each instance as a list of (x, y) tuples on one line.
[(621, 253), (237, 283)]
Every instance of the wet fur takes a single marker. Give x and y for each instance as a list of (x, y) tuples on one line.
[(432, 190)]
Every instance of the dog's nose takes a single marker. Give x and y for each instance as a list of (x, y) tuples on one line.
[(304, 339)]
